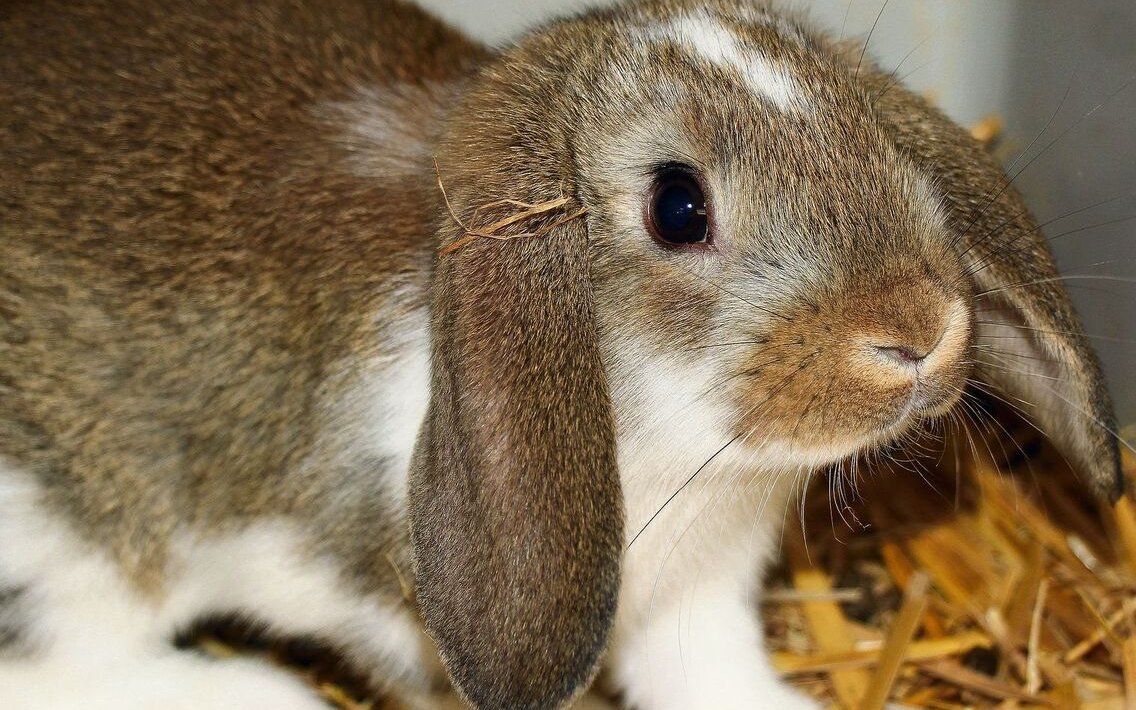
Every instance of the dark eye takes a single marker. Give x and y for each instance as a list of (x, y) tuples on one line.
[(676, 213)]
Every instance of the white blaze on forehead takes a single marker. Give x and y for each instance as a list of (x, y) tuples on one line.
[(710, 40)]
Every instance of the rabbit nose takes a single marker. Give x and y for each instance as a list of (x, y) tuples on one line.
[(904, 355)]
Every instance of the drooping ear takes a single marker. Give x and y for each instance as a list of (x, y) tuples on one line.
[(1030, 344), (515, 504)]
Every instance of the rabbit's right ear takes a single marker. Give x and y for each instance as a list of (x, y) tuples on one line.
[(515, 503), (1029, 345)]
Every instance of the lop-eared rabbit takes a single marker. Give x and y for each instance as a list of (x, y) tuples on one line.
[(302, 303)]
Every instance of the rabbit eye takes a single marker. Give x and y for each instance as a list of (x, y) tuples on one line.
[(676, 213)]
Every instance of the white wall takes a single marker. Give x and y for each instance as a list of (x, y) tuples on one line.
[(1016, 59)]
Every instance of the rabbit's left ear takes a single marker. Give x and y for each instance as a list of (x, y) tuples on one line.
[(1029, 343), (515, 505)]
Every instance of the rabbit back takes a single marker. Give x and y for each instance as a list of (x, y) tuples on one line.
[(191, 265)]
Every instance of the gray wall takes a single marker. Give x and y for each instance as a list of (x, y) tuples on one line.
[(1089, 50), (1019, 59)]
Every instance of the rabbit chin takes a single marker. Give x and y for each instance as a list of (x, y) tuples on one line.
[(920, 408)]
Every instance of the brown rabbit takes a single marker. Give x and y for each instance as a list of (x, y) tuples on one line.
[(254, 362)]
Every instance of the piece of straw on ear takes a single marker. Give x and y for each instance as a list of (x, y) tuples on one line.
[(493, 230)]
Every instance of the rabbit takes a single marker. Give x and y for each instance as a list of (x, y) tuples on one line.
[(491, 368)]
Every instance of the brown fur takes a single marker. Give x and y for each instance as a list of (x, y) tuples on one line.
[(183, 250), (190, 268)]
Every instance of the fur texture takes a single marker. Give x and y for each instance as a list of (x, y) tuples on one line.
[(238, 378)]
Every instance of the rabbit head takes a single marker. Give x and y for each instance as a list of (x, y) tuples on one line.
[(705, 192)]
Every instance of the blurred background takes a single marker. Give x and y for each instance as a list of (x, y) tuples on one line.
[(1061, 78)]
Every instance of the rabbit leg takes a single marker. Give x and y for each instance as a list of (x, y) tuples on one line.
[(75, 632), (688, 633), (701, 649)]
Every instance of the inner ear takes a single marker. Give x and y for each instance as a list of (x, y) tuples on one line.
[(1009, 352), (1051, 377)]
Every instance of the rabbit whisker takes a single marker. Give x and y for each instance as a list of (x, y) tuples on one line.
[(784, 382), (728, 292), (893, 78), (868, 39), (993, 394), (718, 497), (1047, 331), (1108, 262), (1004, 430), (1127, 83), (988, 347), (990, 391), (681, 488), (759, 341), (844, 24), (1053, 279), (712, 388), (1006, 180), (1107, 429), (1015, 370), (1008, 247)]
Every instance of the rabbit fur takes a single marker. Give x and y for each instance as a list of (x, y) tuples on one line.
[(238, 378)]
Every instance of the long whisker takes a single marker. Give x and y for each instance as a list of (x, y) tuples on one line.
[(1007, 181), (844, 25), (994, 394), (1007, 248), (989, 347), (759, 341), (893, 77), (772, 393), (1049, 145), (682, 487), (1115, 435), (872, 31), (1014, 370), (728, 292), (1047, 331), (1054, 279), (1005, 454), (1001, 227)]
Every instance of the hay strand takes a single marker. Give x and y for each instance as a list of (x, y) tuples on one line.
[(493, 230), (898, 641)]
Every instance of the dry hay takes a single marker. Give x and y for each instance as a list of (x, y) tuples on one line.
[(991, 580)]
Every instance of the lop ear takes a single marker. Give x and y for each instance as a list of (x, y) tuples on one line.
[(515, 504), (1030, 344)]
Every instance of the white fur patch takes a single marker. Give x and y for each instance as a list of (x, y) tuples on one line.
[(687, 634), (377, 416), (389, 130), (96, 643), (713, 42), (403, 396), (702, 650), (672, 419)]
